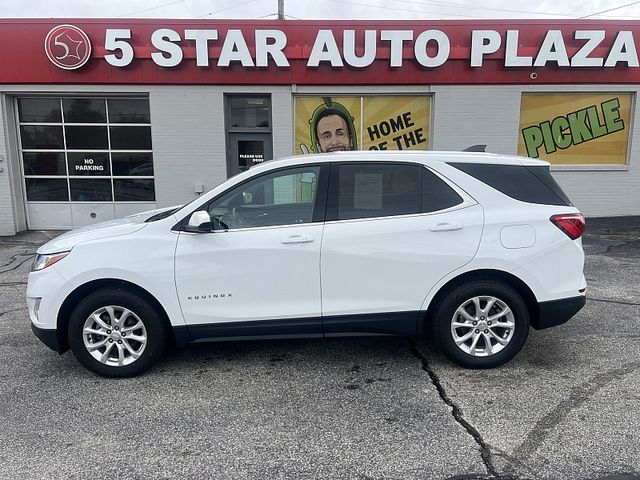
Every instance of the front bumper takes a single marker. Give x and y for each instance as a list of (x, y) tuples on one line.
[(557, 312), (48, 337)]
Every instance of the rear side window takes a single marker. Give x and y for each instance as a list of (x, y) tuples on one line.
[(383, 190), (378, 190), (525, 183)]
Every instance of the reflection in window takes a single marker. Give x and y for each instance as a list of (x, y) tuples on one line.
[(39, 110), (41, 137), (132, 164), (44, 163), (249, 112), (129, 110), (133, 190), (280, 198), (84, 110), (47, 189), (90, 190), (130, 138)]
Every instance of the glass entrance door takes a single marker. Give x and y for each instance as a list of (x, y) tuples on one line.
[(248, 120), (247, 150)]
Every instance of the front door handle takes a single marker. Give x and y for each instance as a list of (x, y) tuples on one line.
[(297, 239), (446, 227)]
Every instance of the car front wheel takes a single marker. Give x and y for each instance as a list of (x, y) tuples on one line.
[(481, 324), (115, 333)]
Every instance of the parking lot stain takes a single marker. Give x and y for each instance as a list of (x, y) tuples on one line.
[(278, 358)]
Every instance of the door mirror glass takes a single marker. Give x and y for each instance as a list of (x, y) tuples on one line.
[(199, 221)]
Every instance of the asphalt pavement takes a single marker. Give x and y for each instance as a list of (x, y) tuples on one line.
[(568, 407)]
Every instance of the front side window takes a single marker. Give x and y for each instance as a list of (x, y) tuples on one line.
[(281, 198)]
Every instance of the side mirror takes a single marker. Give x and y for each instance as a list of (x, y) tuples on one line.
[(308, 177), (199, 222)]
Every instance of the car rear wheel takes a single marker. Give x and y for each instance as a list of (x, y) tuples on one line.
[(115, 333), (481, 324)]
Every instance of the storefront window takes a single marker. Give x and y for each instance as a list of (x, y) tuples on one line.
[(249, 112), (330, 124), (576, 128), (86, 149)]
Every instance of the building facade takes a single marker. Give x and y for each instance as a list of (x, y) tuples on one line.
[(103, 118)]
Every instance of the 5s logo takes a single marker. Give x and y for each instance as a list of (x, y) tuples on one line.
[(67, 47)]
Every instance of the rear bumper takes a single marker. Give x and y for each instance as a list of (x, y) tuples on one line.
[(48, 337), (557, 312)]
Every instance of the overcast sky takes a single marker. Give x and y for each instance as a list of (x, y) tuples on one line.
[(322, 9)]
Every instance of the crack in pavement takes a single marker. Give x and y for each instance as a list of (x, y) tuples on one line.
[(15, 267), (485, 452), (15, 257), (619, 302), (14, 310), (11, 284), (578, 397)]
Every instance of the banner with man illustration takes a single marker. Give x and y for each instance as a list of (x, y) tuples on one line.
[(329, 124), (575, 128)]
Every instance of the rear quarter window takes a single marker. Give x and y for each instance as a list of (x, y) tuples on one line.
[(531, 184), (436, 194)]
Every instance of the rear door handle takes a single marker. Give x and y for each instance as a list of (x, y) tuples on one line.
[(297, 239), (446, 227)]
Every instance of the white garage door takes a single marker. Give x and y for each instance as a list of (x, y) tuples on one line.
[(84, 159)]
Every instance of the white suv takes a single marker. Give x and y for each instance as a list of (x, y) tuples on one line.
[(469, 248)]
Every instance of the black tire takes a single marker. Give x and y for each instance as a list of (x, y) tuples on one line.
[(154, 330), (443, 330)]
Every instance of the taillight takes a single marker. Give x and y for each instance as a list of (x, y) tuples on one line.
[(570, 223)]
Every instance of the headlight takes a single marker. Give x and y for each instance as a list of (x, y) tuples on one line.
[(43, 261)]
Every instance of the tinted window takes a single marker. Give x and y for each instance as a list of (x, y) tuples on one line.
[(90, 190), (125, 190), (527, 184), (84, 110), (88, 163), (44, 163), (132, 164), (130, 138), (378, 190), (436, 194), (281, 198), (249, 112), (86, 137), (38, 110), (128, 110), (41, 137), (47, 189)]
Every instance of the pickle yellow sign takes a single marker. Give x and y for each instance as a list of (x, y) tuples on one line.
[(329, 124), (581, 128)]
